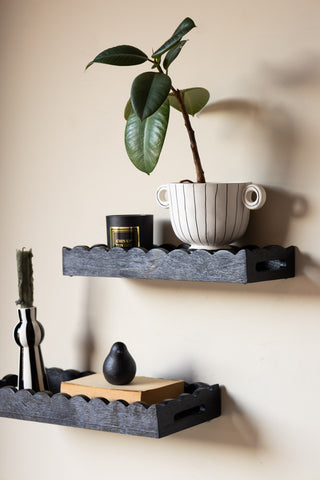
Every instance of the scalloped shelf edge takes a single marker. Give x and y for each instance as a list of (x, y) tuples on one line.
[(237, 265), (200, 403)]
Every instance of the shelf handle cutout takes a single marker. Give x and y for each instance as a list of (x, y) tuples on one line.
[(189, 412), (271, 265)]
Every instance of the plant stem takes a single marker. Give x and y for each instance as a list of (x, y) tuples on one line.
[(193, 143), (192, 138)]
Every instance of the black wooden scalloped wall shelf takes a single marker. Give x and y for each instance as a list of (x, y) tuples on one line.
[(198, 404), (237, 265)]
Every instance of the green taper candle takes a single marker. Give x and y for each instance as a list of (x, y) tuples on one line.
[(25, 279)]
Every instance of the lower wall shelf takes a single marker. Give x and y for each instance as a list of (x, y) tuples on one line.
[(237, 265), (198, 404)]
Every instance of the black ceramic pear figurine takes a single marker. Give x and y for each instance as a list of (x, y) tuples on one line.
[(119, 368)]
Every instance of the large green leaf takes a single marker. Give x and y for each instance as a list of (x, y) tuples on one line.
[(194, 99), (185, 26), (144, 140), (122, 55), (173, 53), (128, 109), (149, 91)]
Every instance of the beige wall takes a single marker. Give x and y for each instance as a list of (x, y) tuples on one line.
[(64, 167)]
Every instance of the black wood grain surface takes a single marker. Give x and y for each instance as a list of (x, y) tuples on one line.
[(198, 404), (244, 265)]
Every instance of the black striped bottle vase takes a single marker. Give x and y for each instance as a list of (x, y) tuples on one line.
[(28, 334)]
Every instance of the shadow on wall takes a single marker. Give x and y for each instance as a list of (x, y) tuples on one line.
[(86, 341), (164, 233), (268, 132), (270, 225), (300, 72), (234, 427), (273, 127)]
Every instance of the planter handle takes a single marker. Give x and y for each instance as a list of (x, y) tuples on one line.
[(159, 194), (254, 196)]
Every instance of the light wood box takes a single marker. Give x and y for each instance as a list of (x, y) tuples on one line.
[(141, 389)]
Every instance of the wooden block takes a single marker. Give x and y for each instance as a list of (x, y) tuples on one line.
[(141, 389)]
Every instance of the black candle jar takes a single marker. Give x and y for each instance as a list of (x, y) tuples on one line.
[(128, 231)]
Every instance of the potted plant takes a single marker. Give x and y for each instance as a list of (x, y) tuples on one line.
[(204, 215)]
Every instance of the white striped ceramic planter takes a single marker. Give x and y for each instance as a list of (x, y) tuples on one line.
[(28, 334), (210, 215)]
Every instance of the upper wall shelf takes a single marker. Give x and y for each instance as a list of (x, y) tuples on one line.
[(237, 265)]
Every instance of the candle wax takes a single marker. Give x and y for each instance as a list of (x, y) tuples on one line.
[(25, 278)]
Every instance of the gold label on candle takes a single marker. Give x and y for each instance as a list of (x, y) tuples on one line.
[(124, 237)]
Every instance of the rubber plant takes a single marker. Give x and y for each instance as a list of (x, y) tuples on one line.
[(152, 95)]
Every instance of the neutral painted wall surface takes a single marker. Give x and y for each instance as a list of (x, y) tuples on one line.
[(64, 167)]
